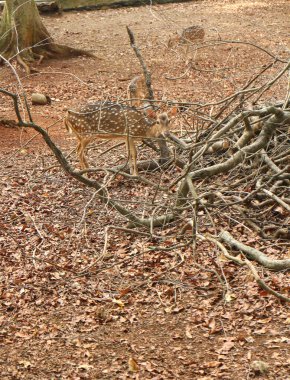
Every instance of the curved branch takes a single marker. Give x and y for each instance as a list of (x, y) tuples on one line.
[(262, 284), (223, 42), (146, 72), (255, 254)]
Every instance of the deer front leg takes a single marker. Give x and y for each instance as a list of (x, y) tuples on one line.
[(81, 148), (132, 155)]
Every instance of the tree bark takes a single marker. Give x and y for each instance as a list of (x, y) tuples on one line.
[(24, 36)]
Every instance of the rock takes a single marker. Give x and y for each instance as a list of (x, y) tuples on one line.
[(259, 367), (40, 99)]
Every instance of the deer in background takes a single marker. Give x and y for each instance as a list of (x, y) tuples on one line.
[(137, 91), (108, 120), (192, 35)]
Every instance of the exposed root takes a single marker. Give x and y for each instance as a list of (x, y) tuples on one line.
[(23, 64)]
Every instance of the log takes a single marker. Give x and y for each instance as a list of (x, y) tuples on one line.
[(66, 5)]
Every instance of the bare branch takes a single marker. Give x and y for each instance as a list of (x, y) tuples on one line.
[(254, 254)]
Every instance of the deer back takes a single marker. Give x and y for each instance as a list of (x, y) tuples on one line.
[(191, 34), (194, 33), (116, 121)]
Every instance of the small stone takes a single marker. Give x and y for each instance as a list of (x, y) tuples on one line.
[(259, 367), (40, 99)]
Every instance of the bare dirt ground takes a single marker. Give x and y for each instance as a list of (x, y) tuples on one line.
[(70, 309)]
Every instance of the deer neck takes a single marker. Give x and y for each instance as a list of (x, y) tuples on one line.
[(155, 130)]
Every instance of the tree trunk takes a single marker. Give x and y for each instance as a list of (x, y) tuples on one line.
[(24, 37)]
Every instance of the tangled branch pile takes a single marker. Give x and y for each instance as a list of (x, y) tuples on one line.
[(249, 156)]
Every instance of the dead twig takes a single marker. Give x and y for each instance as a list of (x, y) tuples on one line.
[(277, 199)]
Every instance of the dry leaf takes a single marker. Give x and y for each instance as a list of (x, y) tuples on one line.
[(25, 363), (261, 331), (119, 303), (211, 325), (85, 367), (227, 346), (188, 333), (125, 291), (265, 321), (22, 334), (132, 364), (213, 364), (229, 297), (287, 321)]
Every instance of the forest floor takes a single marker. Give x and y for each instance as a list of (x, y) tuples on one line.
[(79, 300)]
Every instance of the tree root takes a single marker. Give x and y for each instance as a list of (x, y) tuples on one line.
[(23, 64), (52, 51)]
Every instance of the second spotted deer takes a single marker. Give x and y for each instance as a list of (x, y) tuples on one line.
[(108, 120), (191, 35), (137, 91)]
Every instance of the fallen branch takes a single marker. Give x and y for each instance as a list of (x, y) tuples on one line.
[(277, 199), (262, 284), (223, 249), (146, 72), (254, 254)]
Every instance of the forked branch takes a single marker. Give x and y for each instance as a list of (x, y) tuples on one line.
[(146, 72), (255, 254)]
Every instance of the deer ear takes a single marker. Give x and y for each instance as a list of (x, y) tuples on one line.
[(173, 111), (150, 113)]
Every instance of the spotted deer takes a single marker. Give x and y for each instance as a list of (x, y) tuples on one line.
[(108, 120), (192, 35), (137, 91)]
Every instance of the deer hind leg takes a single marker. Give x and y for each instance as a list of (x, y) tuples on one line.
[(132, 155), (81, 149)]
